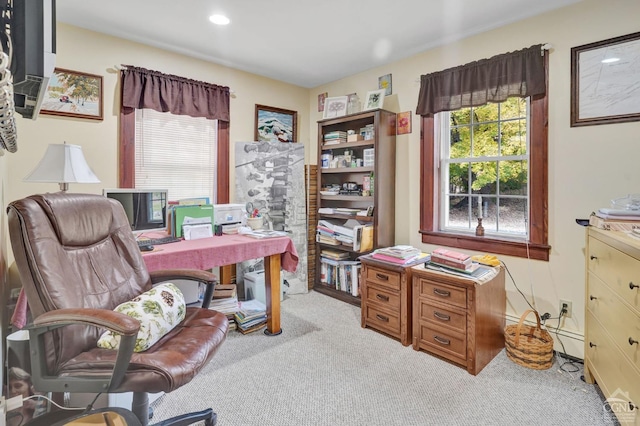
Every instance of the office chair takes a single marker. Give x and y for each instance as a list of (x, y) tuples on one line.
[(78, 260)]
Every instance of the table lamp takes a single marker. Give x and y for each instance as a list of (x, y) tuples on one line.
[(63, 164)]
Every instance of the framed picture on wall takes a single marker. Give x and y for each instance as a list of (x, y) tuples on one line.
[(604, 81), (403, 124), (335, 107), (73, 94), (276, 124)]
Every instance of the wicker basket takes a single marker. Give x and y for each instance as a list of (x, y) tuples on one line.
[(529, 346)]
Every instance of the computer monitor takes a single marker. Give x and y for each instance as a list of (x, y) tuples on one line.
[(146, 209)]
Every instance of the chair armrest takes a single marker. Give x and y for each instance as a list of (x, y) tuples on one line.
[(114, 321), (209, 279), (117, 322)]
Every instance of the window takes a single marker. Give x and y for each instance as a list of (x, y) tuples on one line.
[(186, 169), (144, 89), (486, 136), (484, 169)]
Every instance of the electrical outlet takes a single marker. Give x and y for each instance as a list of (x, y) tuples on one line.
[(566, 305)]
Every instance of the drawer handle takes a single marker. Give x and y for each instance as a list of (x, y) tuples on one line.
[(592, 345), (442, 317), (382, 277), (442, 293), (382, 297), (382, 318), (632, 342), (632, 285), (441, 340), (593, 298), (592, 257)]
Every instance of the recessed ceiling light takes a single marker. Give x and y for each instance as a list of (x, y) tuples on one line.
[(610, 60), (219, 19)]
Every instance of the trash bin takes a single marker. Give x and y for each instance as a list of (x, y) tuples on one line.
[(254, 287)]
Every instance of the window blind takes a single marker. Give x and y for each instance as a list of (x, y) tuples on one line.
[(176, 152)]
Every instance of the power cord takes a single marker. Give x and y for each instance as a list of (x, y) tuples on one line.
[(516, 285), (568, 361)]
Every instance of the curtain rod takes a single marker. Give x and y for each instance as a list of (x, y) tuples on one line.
[(124, 67)]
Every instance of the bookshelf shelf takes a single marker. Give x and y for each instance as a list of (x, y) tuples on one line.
[(379, 155)]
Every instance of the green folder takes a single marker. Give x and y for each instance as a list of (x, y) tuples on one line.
[(180, 212)]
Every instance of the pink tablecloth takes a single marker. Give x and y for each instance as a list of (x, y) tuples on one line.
[(207, 253)]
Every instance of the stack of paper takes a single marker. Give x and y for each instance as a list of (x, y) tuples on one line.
[(251, 316), (225, 301)]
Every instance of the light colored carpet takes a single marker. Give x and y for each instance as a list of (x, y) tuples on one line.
[(327, 370)]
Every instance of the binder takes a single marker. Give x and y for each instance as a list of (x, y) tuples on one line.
[(180, 212)]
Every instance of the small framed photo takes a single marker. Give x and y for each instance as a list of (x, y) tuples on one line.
[(403, 123), (321, 99), (73, 94), (384, 82), (335, 107), (374, 99), (276, 124)]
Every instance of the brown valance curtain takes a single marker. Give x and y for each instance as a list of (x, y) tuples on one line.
[(142, 88), (520, 73)]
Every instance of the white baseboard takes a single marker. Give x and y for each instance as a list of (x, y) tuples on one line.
[(572, 340)]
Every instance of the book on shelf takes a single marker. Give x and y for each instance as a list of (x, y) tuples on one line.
[(477, 273), (357, 236), (420, 257), (450, 262), (251, 316), (224, 291), (346, 211), (252, 328), (452, 255), (342, 275), (399, 251), (334, 254), (613, 224)]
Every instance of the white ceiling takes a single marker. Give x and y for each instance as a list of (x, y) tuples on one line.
[(301, 42)]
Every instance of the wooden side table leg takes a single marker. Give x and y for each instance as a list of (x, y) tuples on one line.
[(272, 290)]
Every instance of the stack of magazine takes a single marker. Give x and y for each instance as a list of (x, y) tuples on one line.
[(400, 255), (251, 316), (456, 263)]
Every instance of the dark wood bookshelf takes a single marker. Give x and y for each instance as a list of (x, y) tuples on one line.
[(382, 173)]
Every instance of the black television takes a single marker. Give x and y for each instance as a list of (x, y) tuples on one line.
[(146, 209), (33, 38)]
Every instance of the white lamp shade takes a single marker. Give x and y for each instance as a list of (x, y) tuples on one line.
[(63, 163)]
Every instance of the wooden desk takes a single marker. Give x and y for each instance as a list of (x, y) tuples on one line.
[(208, 253)]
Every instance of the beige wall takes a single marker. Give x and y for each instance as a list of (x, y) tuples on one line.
[(588, 166), (94, 53)]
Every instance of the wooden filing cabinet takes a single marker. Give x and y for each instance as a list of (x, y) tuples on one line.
[(612, 327), (458, 319), (385, 292)]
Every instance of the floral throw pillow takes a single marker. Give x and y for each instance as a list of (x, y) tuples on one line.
[(159, 310)]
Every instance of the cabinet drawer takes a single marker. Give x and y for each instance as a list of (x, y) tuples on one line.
[(617, 269), (383, 297), (443, 293), (612, 371), (383, 278), (382, 319), (621, 322), (443, 316), (440, 341)]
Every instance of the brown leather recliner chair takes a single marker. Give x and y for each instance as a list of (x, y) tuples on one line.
[(78, 260)]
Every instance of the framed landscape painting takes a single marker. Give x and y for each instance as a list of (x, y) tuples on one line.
[(275, 124), (74, 94)]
